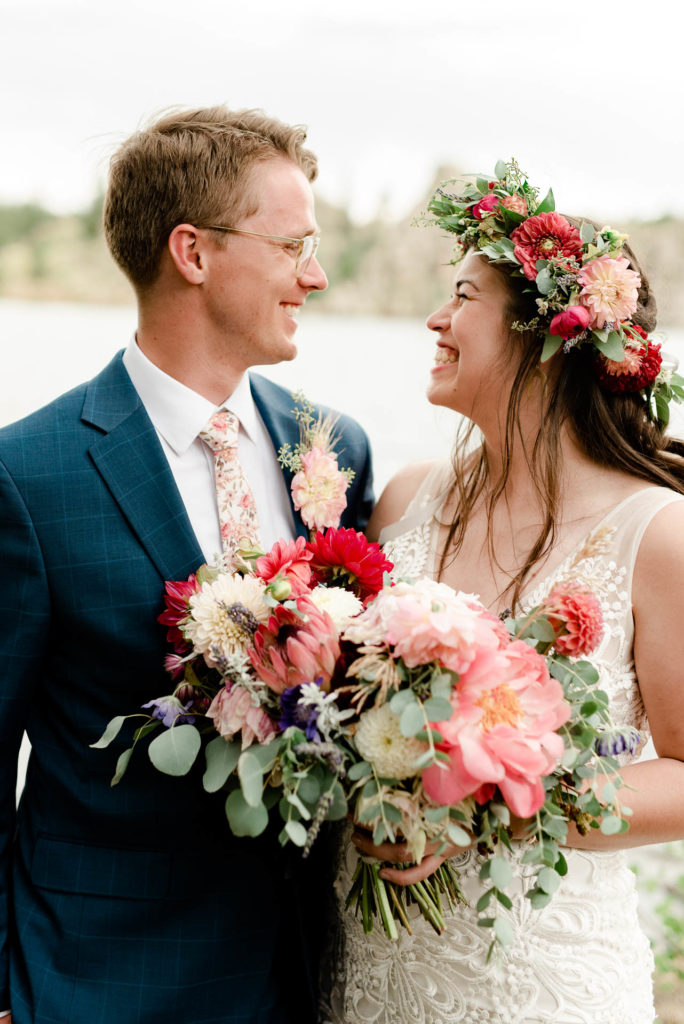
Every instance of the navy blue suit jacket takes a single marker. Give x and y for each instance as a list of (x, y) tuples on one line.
[(132, 904)]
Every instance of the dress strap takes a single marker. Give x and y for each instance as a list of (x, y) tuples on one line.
[(425, 504), (632, 518)]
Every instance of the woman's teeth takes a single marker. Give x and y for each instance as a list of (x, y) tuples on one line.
[(446, 355)]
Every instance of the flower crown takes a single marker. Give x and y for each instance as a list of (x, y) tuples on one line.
[(586, 292)]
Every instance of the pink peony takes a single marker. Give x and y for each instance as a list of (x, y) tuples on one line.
[(318, 490), (577, 619), (427, 621), (288, 560), (571, 322), (233, 710), (295, 647), (502, 732), (485, 207), (541, 238), (610, 290)]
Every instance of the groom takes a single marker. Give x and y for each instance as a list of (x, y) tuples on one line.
[(135, 905)]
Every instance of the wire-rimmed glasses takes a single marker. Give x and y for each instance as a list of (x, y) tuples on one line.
[(305, 251)]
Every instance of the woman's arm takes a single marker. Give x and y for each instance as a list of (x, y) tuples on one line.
[(657, 797)]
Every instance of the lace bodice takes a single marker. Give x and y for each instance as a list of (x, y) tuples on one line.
[(581, 960)]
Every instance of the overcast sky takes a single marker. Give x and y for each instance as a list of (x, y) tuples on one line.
[(588, 96)]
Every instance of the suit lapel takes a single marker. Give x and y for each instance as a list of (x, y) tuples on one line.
[(130, 459), (275, 409)]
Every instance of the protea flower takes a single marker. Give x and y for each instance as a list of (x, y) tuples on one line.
[(295, 646)]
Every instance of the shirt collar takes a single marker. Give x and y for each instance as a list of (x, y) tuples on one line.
[(177, 412)]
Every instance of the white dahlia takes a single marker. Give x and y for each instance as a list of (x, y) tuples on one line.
[(340, 604), (223, 615), (379, 740)]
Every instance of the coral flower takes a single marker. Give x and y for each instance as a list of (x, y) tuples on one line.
[(515, 203), (288, 560), (233, 710), (541, 238), (610, 290), (639, 368), (319, 490), (345, 558), (502, 732), (295, 647), (577, 619)]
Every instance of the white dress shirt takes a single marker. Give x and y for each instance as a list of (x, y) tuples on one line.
[(178, 414)]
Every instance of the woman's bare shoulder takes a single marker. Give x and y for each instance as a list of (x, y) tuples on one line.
[(397, 496)]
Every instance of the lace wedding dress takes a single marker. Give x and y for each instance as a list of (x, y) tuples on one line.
[(581, 960)]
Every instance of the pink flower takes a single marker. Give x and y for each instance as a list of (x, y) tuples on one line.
[(295, 647), (502, 732), (427, 621), (318, 490), (233, 710), (288, 560), (541, 238), (485, 207), (570, 322), (610, 290), (515, 203), (577, 619)]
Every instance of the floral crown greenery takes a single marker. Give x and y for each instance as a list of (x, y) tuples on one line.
[(586, 292)]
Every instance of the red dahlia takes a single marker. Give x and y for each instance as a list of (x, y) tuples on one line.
[(541, 238), (177, 601), (289, 560), (344, 558), (638, 370)]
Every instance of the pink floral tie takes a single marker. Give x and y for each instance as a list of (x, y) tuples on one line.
[(236, 506)]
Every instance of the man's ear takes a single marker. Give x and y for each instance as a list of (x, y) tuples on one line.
[(186, 248)]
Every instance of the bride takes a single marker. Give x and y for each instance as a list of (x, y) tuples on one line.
[(572, 478)]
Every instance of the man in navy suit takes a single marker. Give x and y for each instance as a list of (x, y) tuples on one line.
[(135, 904)]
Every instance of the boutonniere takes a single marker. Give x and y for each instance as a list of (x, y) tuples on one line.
[(319, 485)]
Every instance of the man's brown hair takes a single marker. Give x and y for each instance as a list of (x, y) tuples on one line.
[(192, 167)]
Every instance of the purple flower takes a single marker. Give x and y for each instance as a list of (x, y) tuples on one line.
[(300, 713), (616, 741), (169, 711)]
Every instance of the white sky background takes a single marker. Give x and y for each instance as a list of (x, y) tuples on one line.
[(588, 96)]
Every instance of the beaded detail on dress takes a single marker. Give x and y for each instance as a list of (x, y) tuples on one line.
[(583, 959)]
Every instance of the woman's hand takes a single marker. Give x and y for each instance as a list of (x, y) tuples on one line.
[(399, 853)]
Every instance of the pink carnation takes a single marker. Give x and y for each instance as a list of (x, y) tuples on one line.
[(577, 619), (233, 710), (319, 489), (289, 560), (502, 732), (610, 290)]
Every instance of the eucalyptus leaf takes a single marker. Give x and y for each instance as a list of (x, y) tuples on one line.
[(544, 282), (111, 732), (391, 812), (437, 709), (458, 835), (296, 832), (222, 757), (294, 801), (501, 169), (538, 899), (612, 825), (309, 789), (548, 880), (338, 808), (500, 872), (612, 347), (121, 766), (401, 700), (412, 719), (359, 771), (551, 345), (243, 819), (441, 684), (503, 929), (484, 900), (541, 629), (175, 750), (434, 814), (251, 777)]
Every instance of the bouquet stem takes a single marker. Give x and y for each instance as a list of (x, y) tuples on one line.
[(375, 897)]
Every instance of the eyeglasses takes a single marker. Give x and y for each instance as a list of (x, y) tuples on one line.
[(303, 249)]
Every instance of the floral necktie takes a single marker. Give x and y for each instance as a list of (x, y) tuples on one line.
[(236, 507)]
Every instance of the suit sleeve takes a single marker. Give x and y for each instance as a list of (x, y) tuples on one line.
[(25, 615)]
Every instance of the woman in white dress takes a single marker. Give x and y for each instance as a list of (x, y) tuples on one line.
[(573, 479)]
